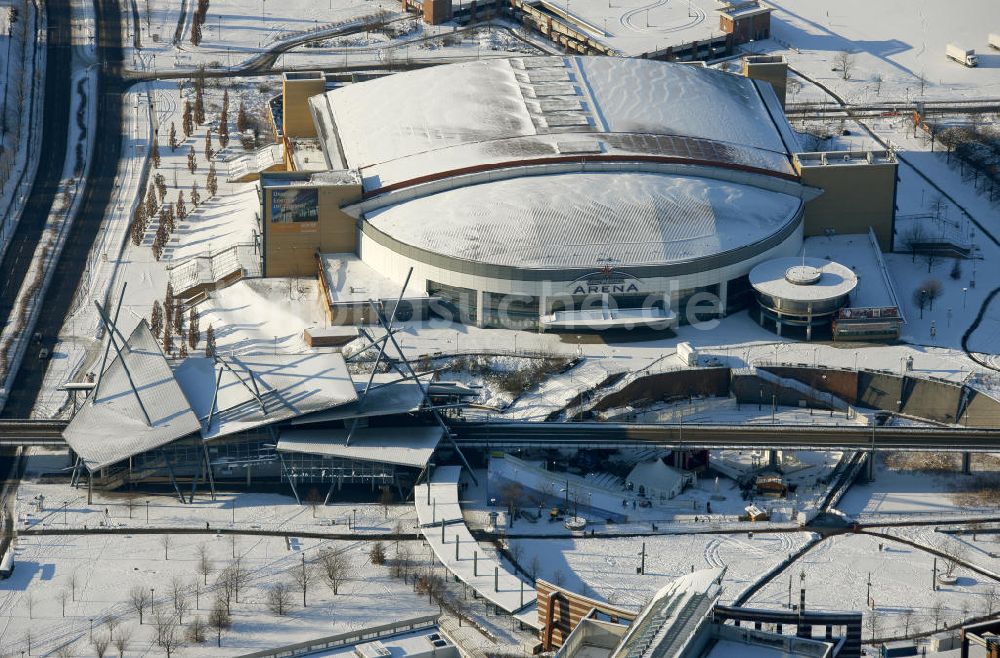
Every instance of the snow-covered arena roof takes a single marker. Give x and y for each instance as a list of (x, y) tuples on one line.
[(562, 220), (112, 423), (422, 123)]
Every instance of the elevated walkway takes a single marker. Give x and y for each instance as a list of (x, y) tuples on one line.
[(214, 271), (441, 522), (249, 167)]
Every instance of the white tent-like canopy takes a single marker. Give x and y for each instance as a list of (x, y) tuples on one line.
[(136, 407)]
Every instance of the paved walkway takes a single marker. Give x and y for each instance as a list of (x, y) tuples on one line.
[(478, 566)]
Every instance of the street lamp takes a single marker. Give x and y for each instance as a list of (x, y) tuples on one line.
[(965, 291)]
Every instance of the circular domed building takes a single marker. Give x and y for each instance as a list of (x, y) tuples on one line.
[(801, 292), (565, 193)]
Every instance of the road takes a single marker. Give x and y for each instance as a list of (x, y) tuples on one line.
[(96, 195), (55, 123)]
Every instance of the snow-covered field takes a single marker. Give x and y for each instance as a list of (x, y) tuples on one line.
[(903, 40), (605, 568), (837, 573), (901, 495), (107, 568), (235, 30)]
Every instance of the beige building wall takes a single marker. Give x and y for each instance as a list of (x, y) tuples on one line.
[(290, 248), (768, 68), (296, 87), (855, 196)]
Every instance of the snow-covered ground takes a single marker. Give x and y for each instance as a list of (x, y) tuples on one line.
[(106, 569), (605, 568), (235, 30), (897, 495), (903, 40), (838, 570)]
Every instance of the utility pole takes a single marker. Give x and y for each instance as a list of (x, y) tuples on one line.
[(642, 559)]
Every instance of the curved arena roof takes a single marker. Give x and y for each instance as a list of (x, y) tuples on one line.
[(572, 219), (456, 118)]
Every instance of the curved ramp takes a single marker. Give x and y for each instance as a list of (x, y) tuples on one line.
[(481, 568)]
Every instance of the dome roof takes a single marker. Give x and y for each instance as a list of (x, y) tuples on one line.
[(585, 220)]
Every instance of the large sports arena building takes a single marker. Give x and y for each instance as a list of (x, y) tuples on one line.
[(552, 192)]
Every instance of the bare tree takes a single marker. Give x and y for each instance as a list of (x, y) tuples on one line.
[(62, 597), (226, 587), (907, 620), (167, 636), (430, 584), (314, 499), (181, 605), (877, 80), (111, 622), (303, 575), (73, 580), (845, 64), (516, 551), (937, 613), (205, 566), (913, 238), (335, 567), (122, 639), (953, 553), (990, 599), (279, 598), (166, 541), (65, 651), (534, 567), (401, 563), (100, 642), (385, 499), (195, 632), (873, 622), (219, 619), (139, 599), (196, 588), (241, 576)]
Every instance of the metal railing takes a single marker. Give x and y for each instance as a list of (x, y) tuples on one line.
[(207, 269), (347, 639)]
